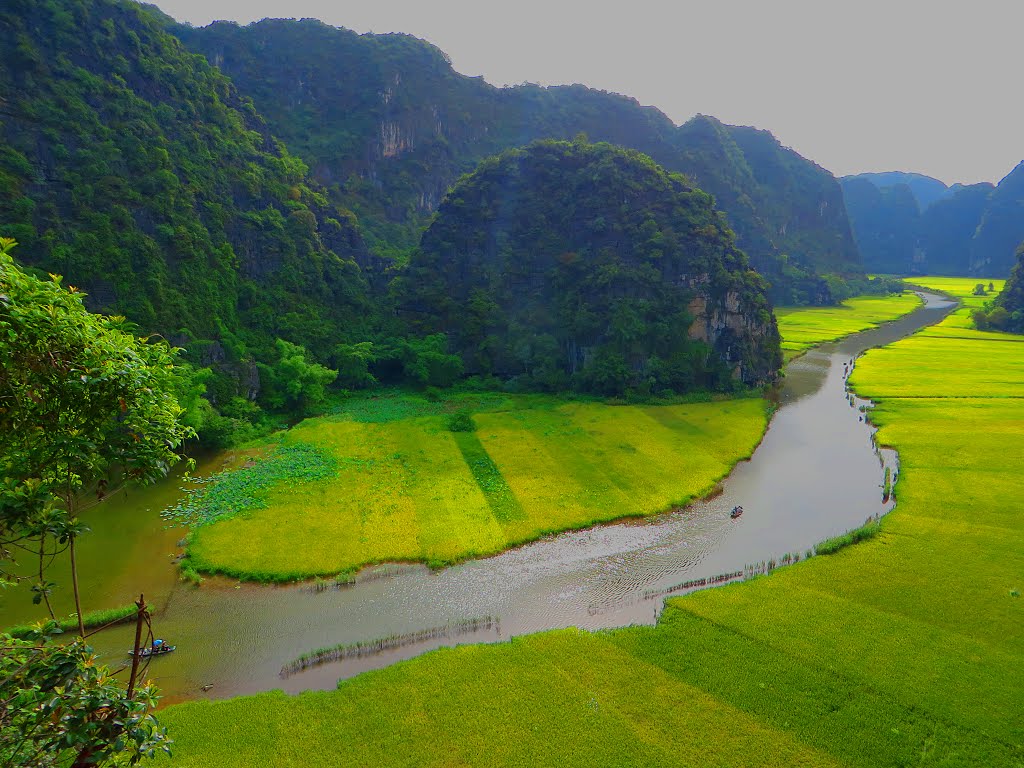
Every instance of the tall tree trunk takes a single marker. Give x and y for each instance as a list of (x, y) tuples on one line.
[(137, 651), (42, 581), (74, 583)]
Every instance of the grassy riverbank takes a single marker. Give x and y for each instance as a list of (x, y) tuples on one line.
[(804, 327), (409, 489), (907, 649)]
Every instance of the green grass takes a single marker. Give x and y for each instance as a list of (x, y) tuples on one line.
[(408, 488), (830, 546), (91, 620), (904, 650), (804, 327)]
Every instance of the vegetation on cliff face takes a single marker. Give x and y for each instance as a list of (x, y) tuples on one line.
[(136, 170), (788, 212), (387, 124), (575, 264)]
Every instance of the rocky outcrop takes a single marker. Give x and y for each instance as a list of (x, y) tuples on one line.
[(736, 331)]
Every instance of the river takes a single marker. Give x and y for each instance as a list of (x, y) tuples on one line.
[(815, 475)]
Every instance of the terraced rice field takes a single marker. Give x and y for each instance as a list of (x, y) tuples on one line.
[(408, 489), (804, 327), (904, 650)]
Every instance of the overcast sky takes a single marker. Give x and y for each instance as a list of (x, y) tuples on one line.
[(855, 85)]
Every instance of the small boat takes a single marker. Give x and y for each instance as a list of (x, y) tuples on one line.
[(158, 648), (736, 512)]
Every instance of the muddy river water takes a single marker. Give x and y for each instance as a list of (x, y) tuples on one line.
[(816, 474)]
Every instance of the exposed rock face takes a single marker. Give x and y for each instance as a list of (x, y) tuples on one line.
[(735, 331)]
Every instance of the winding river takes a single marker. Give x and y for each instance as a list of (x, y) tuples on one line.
[(816, 474)]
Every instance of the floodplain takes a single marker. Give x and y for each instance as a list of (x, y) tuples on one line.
[(906, 649)]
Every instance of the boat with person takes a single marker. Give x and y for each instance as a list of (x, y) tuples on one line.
[(158, 648), (736, 512)]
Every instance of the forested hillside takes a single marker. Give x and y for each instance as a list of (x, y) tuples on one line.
[(1001, 228), (585, 265), (1008, 310), (387, 124), (134, 168)]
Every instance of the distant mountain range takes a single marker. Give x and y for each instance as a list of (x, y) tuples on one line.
[(911, 223)]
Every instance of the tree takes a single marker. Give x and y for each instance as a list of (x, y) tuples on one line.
[(295, 382), (84, 404), (58, 707)]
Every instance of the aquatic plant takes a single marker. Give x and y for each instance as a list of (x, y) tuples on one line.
[(92, 620), (867, 531), (233, 491), (379, 644)]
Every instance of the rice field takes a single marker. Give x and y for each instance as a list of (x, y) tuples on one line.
[(906, 649), (804, 327), (406, 488)]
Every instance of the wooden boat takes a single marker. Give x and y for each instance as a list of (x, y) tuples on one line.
[(150, 650), (736, 512)]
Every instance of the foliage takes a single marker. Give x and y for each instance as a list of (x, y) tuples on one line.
[(830, 546), (62, 708), (237, 491), (461, 421), (91, 620), (353, 364), (136, 170), (408, 489), (576, 264), (83, 402), (389, 126), (1008, 312), (293, 382)]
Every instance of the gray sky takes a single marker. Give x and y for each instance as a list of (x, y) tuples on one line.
[(855, 85)]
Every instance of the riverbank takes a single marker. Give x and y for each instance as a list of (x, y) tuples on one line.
[(859, 658), (804, 327), (409, 489)]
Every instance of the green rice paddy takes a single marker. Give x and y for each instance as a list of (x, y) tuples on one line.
[(804, 327), (903, 650), (404, 487)]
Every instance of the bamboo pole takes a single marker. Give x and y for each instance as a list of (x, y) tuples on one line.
[(141, 602)]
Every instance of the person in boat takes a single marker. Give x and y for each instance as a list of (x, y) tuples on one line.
[(158, 645)]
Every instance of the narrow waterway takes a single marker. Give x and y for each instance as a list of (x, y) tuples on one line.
[(815, 475)]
